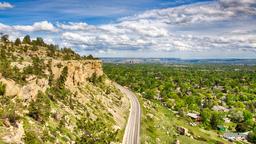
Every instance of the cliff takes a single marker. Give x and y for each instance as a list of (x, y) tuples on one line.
[(56, 96), (78, 74)]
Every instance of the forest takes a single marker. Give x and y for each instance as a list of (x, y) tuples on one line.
[(216, 92)]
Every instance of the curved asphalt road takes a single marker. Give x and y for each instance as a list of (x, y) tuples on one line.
[(132, 130)]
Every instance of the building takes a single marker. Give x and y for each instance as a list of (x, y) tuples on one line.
[(220, 108), (194, 116), (235, 136)]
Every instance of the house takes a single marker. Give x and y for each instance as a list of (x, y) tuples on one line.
[(194, 116), (220, 108), (235, 136)]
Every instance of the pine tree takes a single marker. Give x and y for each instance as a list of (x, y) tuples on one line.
[(17, 42), (26, 40)]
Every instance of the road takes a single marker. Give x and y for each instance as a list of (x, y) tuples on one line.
[(132, 130)]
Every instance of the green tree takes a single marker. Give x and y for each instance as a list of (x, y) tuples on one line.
[(206, 116), (252, 137), (39, 41), (94, 78), (17, 42), (63, 77), (89, 57), (26, 40), (247, 115), (237, 115), (241, 127), (5, 38), (216, 119)]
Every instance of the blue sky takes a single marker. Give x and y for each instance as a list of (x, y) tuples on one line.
[(138, 28), (91, 11)]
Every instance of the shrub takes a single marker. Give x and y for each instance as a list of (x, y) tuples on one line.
[(216, 119), (8, 109), (40, 109), (63, 77), (36, 69), (59, 93), (2, 89), (35, 48), (31, 138), (241, 127), (96, 79), (252, 137), (95, 132)]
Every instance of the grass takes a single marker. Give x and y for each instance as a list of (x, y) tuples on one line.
[(159, 126)]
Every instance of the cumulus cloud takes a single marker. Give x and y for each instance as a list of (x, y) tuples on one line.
[(162, 30), (74, 26), (4, 27), (37, 26), (236, 3), (201, 12), (5, 5)]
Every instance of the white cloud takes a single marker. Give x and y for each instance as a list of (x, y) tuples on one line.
[(236, 3), (5, 5), (4, 27), (73, 26), (213, 26), (76, 38), (37, 26)]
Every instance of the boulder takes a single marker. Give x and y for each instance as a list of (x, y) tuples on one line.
[(12, 89)]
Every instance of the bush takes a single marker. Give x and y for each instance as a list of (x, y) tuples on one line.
[(35, 48), (37, 68), (31, 138), (63, 77), (95, 132), (241, 127), (59, 93), (96, 79), (216, 119), (2, 89), (40, 109), (8, 110), (252, 137)]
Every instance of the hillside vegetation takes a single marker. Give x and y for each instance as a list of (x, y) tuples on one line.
[(223, 96), (53, 95)]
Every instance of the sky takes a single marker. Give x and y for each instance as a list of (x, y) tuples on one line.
[(185, 29)]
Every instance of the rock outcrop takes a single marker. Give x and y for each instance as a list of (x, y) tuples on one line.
[(78, 73)]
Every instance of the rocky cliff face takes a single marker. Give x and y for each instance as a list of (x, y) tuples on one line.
[(78, 74), (78, 71), (80, 100)]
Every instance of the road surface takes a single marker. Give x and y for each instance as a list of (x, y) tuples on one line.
[(132, 130)]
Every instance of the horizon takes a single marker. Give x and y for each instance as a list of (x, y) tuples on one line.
[(185, 29), (178, 58)]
